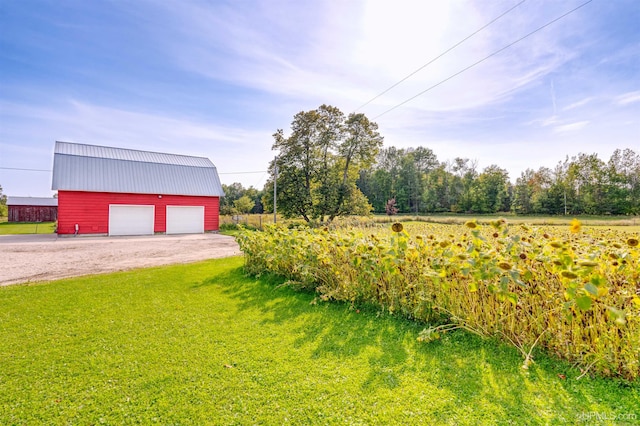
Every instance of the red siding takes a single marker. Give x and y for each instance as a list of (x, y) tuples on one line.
[(33, 213), (90, 210)]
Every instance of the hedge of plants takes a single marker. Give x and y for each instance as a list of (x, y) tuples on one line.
[(572, 291)]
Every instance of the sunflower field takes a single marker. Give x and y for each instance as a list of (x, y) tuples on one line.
[(572, 291)]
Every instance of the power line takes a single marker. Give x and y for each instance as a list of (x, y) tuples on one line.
[(483, 59), (439, 56), (49, 170), (242, 173), (261, 178), (26, 170)]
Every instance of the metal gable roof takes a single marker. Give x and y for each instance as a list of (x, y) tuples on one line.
[(32, 201), (79, 167), (95, 151)]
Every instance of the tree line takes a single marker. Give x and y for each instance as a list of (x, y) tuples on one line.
[(583, 184), (240, 200), (332, 165)]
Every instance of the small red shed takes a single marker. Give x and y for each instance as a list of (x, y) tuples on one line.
[(32, 209), (116, 191)]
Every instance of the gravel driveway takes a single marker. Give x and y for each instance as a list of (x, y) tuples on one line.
[(25, 258)]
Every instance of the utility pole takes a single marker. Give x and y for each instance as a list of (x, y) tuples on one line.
[(275, 187)]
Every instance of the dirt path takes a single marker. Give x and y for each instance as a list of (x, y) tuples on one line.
[(25, 258)]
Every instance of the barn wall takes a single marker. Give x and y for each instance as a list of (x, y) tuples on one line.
[(90, 210), (33, 213)]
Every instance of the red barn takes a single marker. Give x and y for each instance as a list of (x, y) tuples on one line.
[(115, 191), (32, 209)]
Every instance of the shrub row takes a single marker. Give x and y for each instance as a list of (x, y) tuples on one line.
[(575, 293)]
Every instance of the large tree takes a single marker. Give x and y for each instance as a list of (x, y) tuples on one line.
[(437, 193), (491, 191), (319, 163), (623, 182), (233, 193), (244, 204), (400, 174)]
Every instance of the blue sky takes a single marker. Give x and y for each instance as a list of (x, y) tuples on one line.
[(218, 78)]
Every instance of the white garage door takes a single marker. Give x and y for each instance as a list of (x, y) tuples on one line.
[(185, 219), (131, 220)]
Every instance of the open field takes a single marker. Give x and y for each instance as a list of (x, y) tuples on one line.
[(515, 219), (205, 344), (13, 228), (623, 224), (259, 220)]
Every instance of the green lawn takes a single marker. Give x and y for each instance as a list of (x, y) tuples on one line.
[(204, 344), (7, 228)]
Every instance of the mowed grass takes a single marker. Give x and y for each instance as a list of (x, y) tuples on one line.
[(204, 344), (9, 228)]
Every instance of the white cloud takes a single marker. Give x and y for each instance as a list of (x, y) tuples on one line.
[(553, 120), (143, 128), (578, 104), (351, 51), (628, 98), (571, 127), (231, 149)]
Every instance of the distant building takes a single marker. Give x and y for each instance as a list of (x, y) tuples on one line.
[(32, 209), (115, 191)]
